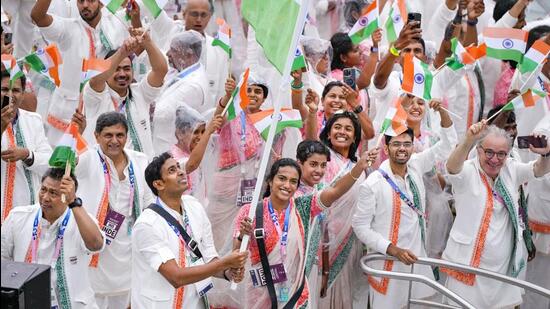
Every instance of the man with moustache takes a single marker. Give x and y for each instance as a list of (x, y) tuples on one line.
[(391, 210), (489, 230), (114, 191), (92, 35)]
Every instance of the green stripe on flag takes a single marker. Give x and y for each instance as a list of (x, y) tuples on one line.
[(509, 106), (528, 65), (505, 54), (114, 5), (35, 62), (153, 7), (61, 155), (390, 28), (281, 126), (231, 111), (298, 63), (428, 79), (364, 33), (225, 47), (385, 125)]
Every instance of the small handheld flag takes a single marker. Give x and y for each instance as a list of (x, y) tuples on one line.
[(366, 24), (223, 37), (417, 78), (239, 99), (505, 43), (288, 118)]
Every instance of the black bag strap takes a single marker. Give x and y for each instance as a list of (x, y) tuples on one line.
[(191, 243), (294, 299), (259, 234)]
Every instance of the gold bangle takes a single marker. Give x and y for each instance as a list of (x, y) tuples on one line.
[(354, 178), (394, 51)]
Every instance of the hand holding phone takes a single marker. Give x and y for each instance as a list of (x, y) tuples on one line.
[(414, 17), (536, 141), (350, 77)]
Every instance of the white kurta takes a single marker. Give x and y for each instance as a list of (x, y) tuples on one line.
[(36, 142), (112, 276), (70, 36), (191, 90), (154, 243), (17, 235), (372, 221), (470, 196), (143, 96)]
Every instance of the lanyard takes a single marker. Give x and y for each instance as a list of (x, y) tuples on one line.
[(131, 178), (123, 105), (186, 225), (184, 73), (36, 231), (92, 43), (284, 233), (402, 195)]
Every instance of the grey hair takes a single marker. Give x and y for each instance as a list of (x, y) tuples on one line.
[(493, 130), (187, 42)]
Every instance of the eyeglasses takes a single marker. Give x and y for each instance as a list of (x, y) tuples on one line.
[(400, 144), (489, 153), (196, 14)]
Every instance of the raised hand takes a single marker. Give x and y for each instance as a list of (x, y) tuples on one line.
[(230, 86), (475, 131), (475, 8), (215, 124), (67, 188), (541, 150), (410, 32), (352, 96), (80, 119), (312, 100), (376, 37)]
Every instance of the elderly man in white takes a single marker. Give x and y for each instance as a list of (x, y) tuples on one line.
[(56, 233), (187, 87), (391, 210), (25, 149), (91, 35), (488, 231)]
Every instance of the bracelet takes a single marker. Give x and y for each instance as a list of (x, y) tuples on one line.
[(296, 90), (220, 103), (354, 178), (373, 49), (225, 276), (546, 155), (240, 238), (300, 86), (394, 51), (471, 22)]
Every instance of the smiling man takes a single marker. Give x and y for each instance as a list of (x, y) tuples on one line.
[(486, 202), (113, 189), (391, 210)]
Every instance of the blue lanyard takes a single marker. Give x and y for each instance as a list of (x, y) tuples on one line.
[(403, 196), (184, 73), (186, 224), (284, 232), (131, 178), (60, 235)]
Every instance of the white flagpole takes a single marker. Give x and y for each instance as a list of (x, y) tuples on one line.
[(298, 28)]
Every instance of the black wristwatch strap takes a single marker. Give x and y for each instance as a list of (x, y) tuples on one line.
[(76, 203), (358, 109)]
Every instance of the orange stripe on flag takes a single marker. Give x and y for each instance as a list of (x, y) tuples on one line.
[(477, 52), (96, 64), (408, 73), (541, 47), (371, 7), (528, 99), (243, 91), (402, 9), (505, 33)]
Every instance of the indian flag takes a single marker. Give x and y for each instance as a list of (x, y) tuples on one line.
[(395, 122), (534, 56), (46, 61), (112, 5), (155, 6), (525, 100), (93, 67), (505, 43), (239, 98), (460, 57), (11, 65), (287, 118), (223, 37), (70, 144), (366, 24), (417, 78), (299, 62), (396, 20)]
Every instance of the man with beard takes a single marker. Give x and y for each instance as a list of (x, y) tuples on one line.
[(188, 86), (114, 90), (391, 210), (92, 35), (489, 229)]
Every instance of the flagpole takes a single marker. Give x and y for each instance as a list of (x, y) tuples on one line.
[(495, 114), (67, 173), (438, 70), (298, 28)]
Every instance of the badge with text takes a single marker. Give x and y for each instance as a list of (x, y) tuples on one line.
[(246, 191), (277, 273), (113, 222)]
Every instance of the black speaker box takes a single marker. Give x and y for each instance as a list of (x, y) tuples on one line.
[(25, 286)]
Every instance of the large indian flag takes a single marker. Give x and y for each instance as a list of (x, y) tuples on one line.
[(70, 144), (366, 24), (534, 56), (239, 98), (155, 6), (417, 78), (396, 19), (12, 67), (223, 37), (46, 61), (287, 118), (525, 100), (505, 43), (273, 22)]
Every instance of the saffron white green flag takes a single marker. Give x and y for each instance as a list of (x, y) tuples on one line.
[(287, 118), (395, 121), (417, 78), (534, 56), (223, 37), (299, 62), (525, 100), (396, 19), (155, 6), (505, 43), (12, 67), (366, 24), (239, 99), (46, 61), (70, 144)]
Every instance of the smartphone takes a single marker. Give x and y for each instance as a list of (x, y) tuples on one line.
[(350, 76), (5, 101), (7, 38), (537, 142), (414, 17)]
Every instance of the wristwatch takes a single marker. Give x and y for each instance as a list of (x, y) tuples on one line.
[(76, 203), (358, 109), (471, 22), (30, 159), (546, 155)]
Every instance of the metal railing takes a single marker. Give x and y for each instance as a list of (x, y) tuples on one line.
[(439, 287)]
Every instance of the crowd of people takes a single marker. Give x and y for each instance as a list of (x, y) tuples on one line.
[(153, 210)]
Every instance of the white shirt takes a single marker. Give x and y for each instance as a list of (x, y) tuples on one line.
[(35, 140), (70, 36), (154, 243), (372, 221), (470, 197), (191, 90), (143, 95), (17, 235), (112, 276)]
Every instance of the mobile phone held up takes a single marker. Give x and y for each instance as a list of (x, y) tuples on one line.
[(350, 77), (414, 17), (5, 101), (537, 142)]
